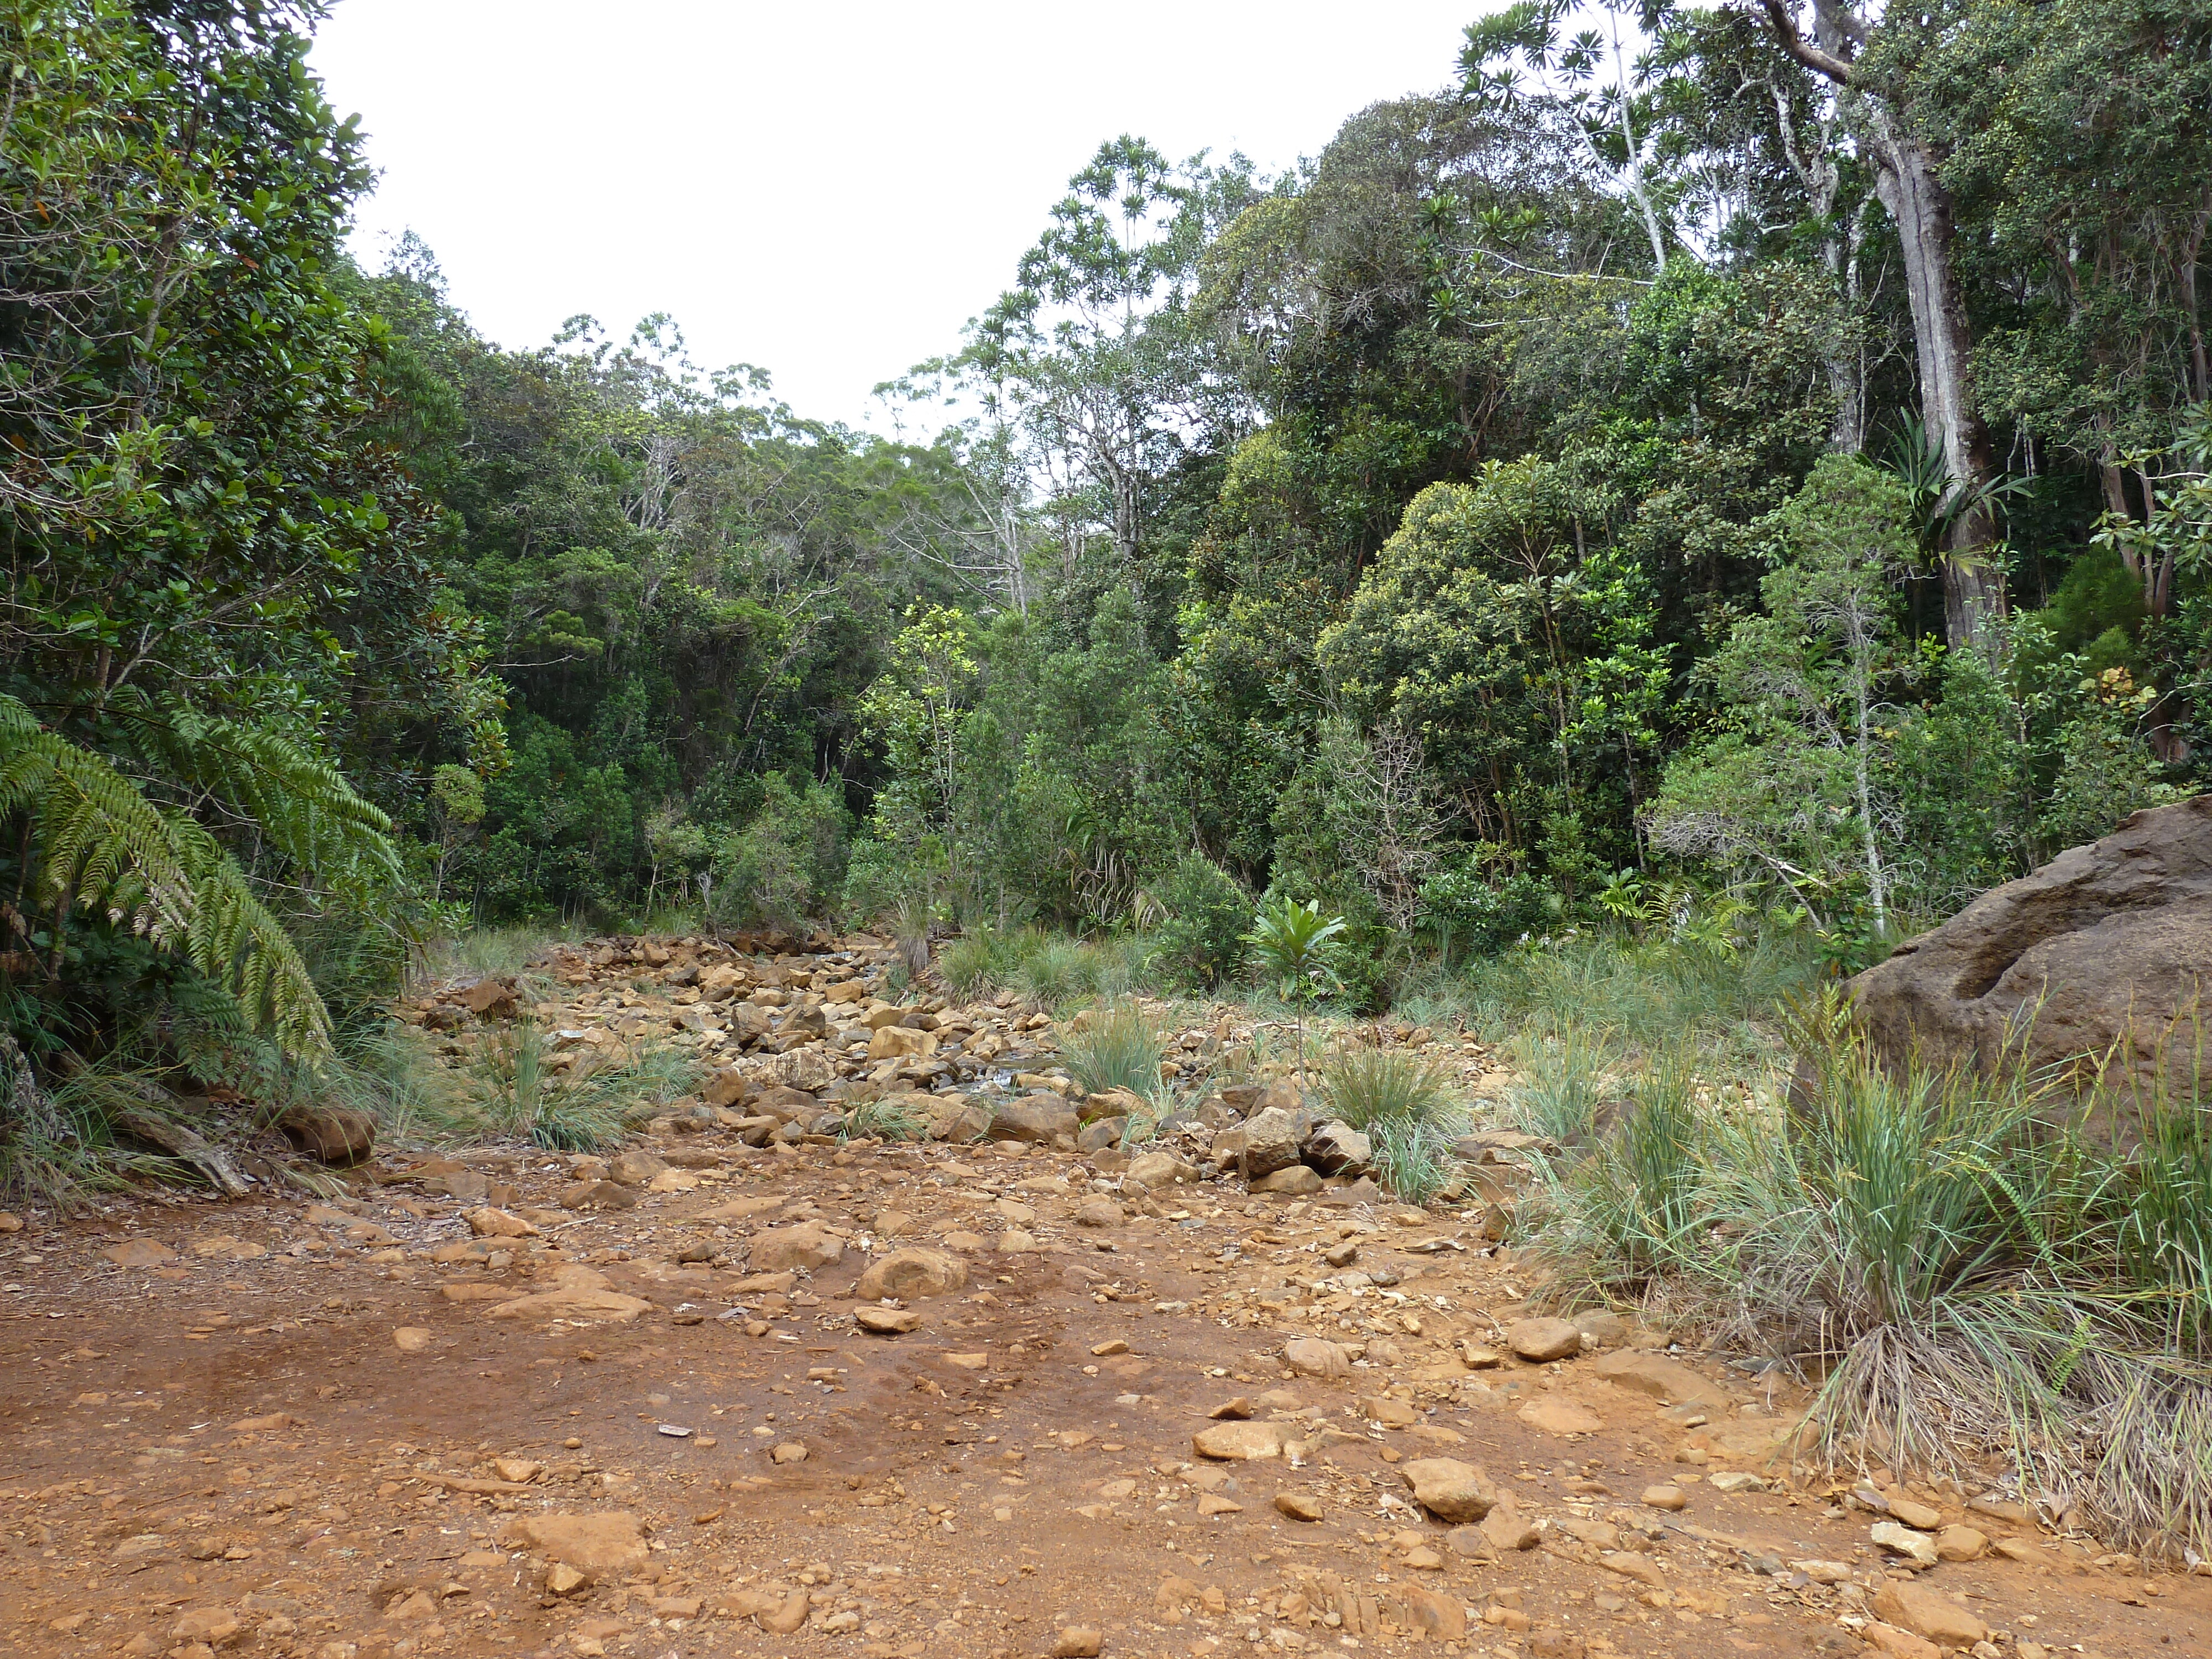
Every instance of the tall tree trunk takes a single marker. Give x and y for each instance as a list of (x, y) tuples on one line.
[(1944, 342), (1905, 182)]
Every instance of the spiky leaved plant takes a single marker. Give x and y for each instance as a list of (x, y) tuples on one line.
[(1294, 945)]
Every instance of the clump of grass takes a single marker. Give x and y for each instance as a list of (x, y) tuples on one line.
[(1366, 1087), (1563, 1083), (973, 964), (911, 929), (1118, 1047), (1645, 991), (493, 949), (884, 1120), (1631, 1206), (1964, 1268), (1049, 972), (519, 1094), (388, 1071), (58, 1148), (576, 1120), (1411, 1156)]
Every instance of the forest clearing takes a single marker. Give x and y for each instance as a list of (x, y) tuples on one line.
[(1453, 894)]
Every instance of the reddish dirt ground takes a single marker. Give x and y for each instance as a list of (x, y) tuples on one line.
[(291, 1431)]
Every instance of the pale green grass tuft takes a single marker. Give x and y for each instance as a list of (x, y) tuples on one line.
[(1118, 1047)]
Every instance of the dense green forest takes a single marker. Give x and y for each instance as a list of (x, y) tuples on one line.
[(1672, 473)]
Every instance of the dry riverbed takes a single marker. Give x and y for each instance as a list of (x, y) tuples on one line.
[(812, 1397)]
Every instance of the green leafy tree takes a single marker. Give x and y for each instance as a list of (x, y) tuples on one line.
[(1203, 915), (1797, 782)]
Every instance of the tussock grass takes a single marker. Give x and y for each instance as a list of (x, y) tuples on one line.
[(483, 950), (1564, 1077), (1979, 1286), (1049, 970), (388, 1071), (59, 1149), (1411, 1156), (1119, 1047), (1404, 1105), (883, 1120), (1645, 991), (516, 1092), (1366, 1087)]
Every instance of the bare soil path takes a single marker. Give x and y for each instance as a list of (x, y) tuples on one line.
[(358, 1430)]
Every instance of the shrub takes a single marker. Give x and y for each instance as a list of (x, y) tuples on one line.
[(1203, 917), (1470, 912), (784, 863)]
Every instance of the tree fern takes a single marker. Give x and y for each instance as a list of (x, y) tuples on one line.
[(299, 803), (100, 843)]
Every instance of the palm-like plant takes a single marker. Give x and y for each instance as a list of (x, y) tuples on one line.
[(1294, 945)]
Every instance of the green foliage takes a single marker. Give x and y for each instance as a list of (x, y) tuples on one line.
[(786, 862), (1203, 915), (1115, 1047), (98, 842), (1410, 1157), (1517, 659), (1294, 946), (1959, 1258), (1366, 1087), (2105, 772), (1471, 908), (1795, 788), (518, 1093)]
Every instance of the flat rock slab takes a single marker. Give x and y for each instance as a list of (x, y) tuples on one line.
[(1554, 1415), (1235, 1442), (1663, 1379), (609, 1545)]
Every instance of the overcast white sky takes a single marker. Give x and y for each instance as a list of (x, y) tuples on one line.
[(826, 190)]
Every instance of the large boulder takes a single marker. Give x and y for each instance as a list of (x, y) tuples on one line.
[(1270, 1142), (910, 1275), (1037, 1118), (2102, 949), (807, 1245), (330, 1134), (1335, 1148), (1451, 1490)]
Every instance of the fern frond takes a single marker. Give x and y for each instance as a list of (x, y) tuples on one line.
[(103, 845), (301, 804)]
